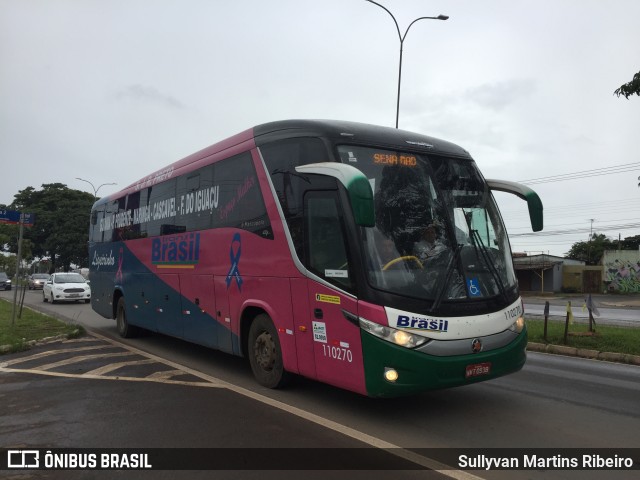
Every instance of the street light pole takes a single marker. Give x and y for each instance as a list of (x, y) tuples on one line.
[(95, 190), (402, 38)]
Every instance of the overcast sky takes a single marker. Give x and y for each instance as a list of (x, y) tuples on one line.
[(111, 90)]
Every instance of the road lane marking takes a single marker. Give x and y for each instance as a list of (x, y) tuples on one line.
[(213, 382), (115, 366), (48, 353), (101, 373), (396, 450), (81, 358), (166, 374), (105, 377)]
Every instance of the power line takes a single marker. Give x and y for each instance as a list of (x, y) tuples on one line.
[(627, 167), (624, 226), (576, 223)]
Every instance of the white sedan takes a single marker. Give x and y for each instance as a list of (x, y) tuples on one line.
[(66, 286)]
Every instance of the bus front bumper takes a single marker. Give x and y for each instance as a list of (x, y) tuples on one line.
[(419, 372)]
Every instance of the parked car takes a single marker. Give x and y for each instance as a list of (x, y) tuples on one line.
[(5, 282), (67, 287), (37, 280)]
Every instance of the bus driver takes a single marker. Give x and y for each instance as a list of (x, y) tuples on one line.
[(429, 246)]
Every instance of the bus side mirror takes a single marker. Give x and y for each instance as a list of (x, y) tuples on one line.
[(357, 185), (533, 200)]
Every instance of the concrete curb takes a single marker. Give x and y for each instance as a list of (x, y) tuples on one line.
[(584, 353)]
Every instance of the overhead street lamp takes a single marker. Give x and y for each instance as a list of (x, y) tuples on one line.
[(95, 190), (402, 38)]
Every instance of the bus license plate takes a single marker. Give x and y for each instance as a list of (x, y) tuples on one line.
[(478, 369)]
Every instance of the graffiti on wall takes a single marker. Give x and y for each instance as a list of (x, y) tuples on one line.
[(623, 275)]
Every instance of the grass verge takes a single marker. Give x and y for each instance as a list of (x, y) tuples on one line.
[(33, 326), (606, 338)]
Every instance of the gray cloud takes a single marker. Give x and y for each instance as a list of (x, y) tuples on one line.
[(497, 96)]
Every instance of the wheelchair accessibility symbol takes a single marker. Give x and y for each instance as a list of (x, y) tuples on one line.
[(473, 287)]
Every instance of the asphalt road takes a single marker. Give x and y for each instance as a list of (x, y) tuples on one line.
[(554, 402)]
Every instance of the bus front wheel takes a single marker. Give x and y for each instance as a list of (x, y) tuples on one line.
[(124, 329), (265, 354)]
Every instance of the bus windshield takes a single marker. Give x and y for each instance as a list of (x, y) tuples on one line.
[(438, 233)]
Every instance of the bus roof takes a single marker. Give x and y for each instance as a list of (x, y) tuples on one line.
[(340, 131), (354, 132)]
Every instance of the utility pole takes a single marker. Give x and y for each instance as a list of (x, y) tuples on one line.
[(590, 238)]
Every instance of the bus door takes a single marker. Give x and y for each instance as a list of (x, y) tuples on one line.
[(332, 312), (199, 309), (167, 305)]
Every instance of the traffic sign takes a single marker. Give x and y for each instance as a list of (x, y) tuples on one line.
[(13, 217)]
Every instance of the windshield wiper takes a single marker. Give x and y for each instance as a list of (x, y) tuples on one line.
[(445, 284), (476, 241)]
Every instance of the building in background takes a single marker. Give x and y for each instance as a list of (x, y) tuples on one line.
[(621, 270), (542, 273), (618, 272)]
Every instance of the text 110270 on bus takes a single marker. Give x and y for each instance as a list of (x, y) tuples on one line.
[(366, 257)]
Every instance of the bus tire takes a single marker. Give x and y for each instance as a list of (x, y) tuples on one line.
[(124, 329), (265, 354)]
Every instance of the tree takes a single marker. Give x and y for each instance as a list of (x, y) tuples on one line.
[(631, 88), (591, 251), (61, 229), (630, 243)]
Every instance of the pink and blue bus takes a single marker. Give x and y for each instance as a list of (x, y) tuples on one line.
[(365, 257)]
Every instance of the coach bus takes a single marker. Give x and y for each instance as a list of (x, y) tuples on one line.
[(365, 257)]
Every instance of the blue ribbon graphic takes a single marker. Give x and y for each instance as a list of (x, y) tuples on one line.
[(235, 260)]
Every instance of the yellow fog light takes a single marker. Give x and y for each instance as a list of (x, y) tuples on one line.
[(390, 374)]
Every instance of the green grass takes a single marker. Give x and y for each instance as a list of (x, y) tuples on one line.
[(32, 326), (606, 338)]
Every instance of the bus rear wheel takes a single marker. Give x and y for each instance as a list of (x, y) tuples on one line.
[(124, 329), (265, 354)]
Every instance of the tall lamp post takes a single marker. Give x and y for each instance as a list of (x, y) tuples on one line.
[(95, 190), (402, 38)]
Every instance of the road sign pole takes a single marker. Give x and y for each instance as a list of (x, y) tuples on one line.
[(18, 261)]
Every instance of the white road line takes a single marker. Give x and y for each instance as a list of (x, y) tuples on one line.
[(115, 366), (79, 340), (325, 422), (81, 358), (105, 377), (166, 374), (48, 353)]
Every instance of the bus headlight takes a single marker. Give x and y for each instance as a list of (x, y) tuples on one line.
[(518, 325), (393, 335)]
